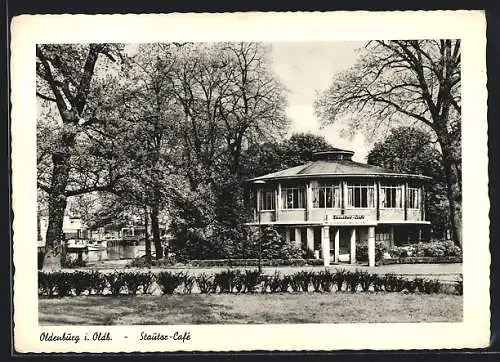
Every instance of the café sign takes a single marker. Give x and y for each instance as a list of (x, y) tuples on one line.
[(346, 219)]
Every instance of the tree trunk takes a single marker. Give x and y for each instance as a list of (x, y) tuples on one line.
[(147, 241), (155, 229), (54, 240), (452, 190)]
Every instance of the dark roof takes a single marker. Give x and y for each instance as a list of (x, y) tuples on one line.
[(336, 168)]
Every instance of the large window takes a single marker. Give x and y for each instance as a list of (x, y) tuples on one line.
[(413, 198), (267, 200), (360, 195), (391, 196), (327, 196), (293, 198)]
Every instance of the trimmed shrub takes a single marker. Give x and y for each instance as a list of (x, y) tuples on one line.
[(64, 284), (206, 283), (352, 281), (419, 284), (326, 280), (98, 283), (238, 282), (459, 285), (378, 283), (147, 279), (224, 280), (46, 284), (81, 282), (116, 282), (251, 279), (169, 281), (339, 279), (411, 286), (390, 281), (316, 282), (285, 283), (432, 286), (303, 279), (55, 284), (365, 280), (188, 283), (399, 284), (132, 280), (294, 283), (273, 283)]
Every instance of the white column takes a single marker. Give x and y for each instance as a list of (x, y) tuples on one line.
[(298, 237), (371, 246), (353, 245), (308, 201), (310, 239), (336, 246), (278, 203), (344, 195), (258, 200), (405, 204), (287, 234), (325, 244), (276, 196)]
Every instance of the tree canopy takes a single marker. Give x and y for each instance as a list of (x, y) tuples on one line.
[(411, 150), (409, 82)]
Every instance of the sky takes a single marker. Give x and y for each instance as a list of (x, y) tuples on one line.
[(306, 68)]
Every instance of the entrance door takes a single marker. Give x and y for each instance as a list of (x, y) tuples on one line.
[(344, 240)]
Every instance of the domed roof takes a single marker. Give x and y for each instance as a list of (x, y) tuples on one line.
[(335, 163)]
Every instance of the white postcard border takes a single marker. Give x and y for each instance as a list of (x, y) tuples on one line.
[(469, 26)]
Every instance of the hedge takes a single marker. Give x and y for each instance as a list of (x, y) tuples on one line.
[(436, 249), (60, 284), (141, 262), (254, 262), (422, 260)]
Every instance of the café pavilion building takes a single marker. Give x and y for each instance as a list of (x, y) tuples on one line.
[(331, 204)]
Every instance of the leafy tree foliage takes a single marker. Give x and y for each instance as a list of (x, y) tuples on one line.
[(405, 81), (74, 104), (268, 157), (410, 150)]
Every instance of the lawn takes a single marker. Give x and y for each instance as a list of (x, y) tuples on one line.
[(251, 308)]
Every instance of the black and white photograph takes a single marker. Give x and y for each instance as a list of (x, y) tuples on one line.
[(245, 185)]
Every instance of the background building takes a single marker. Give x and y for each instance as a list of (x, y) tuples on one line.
[(332, 204)]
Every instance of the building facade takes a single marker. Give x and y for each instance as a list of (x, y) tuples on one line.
[(73, 228), (332, 204)]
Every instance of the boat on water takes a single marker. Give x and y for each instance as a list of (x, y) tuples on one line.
[(77, 244), (96, 245)]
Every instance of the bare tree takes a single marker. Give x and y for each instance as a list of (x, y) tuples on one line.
[(412, 81)]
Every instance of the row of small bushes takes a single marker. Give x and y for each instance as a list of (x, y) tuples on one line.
[(422, 260), (141, 262), (432, 249), (255, 262), (230, 281)]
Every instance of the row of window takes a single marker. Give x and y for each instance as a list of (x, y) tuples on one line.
[(330, 196)]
